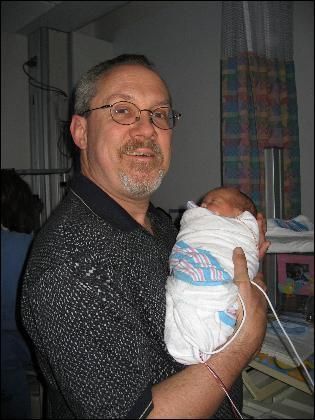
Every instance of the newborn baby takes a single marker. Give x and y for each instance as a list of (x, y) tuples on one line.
[(201, 297)]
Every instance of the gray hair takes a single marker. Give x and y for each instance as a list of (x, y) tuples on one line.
[(85, 89)]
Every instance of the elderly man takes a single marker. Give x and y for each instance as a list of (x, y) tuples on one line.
[(93, 300)]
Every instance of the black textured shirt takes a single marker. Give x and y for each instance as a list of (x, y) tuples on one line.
[(93, 305)]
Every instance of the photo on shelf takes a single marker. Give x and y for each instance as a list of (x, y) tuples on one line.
[(296, 283), (296, 274)]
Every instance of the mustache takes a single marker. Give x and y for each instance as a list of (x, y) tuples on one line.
[(133, 145)]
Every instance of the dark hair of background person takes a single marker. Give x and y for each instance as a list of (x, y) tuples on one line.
[(19, 207)]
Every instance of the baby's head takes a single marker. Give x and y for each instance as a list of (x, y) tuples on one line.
[(228, 202)]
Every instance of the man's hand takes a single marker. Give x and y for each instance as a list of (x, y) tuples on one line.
[(253, 330), (263, 244)]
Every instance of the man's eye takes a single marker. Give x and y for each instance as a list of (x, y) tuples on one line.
[(161, 115), (122, 111)]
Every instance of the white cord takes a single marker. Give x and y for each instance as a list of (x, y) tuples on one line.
[(286, 335), (283, 330), (234, 406), (223, 387), (235, 334), (278, 320)]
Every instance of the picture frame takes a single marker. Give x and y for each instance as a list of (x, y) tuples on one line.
[(296, 274)]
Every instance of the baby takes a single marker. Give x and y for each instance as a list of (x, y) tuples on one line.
[(201, 297)]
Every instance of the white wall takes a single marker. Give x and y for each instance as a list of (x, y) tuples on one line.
[(183, 40), (304, 68), (15, 136), (86, 51)]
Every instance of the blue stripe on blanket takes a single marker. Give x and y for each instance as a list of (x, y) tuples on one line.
[(227, 319), (196, 266)]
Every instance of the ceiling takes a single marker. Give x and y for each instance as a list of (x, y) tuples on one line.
[(25, 17)]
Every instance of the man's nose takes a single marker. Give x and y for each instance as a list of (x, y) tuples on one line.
[(144, 124)]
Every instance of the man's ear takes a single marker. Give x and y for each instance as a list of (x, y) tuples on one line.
[(78, 131)]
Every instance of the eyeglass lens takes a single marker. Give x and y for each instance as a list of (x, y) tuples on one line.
[(128, 113)]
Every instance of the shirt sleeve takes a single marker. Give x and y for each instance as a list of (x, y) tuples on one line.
[(90, 340), (143, 406)]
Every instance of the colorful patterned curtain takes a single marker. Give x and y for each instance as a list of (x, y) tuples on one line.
[(259, 105)]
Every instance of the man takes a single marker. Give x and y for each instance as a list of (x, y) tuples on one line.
[(93, 300)]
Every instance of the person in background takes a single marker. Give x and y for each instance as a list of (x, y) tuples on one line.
[(93, 297), (201, 297), (18, 222)]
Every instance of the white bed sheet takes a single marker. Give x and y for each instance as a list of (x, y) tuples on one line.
[(289, 241)]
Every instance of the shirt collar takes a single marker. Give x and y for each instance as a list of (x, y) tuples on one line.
[(103, 205)]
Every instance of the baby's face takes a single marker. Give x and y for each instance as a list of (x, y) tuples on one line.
[(220, 202)]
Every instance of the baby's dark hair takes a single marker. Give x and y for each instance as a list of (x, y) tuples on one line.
[(240, 200), (248, 204)]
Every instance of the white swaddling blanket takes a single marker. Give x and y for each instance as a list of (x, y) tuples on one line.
[(201, 298)]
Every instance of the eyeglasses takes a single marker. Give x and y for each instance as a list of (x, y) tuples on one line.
[(127, 113)]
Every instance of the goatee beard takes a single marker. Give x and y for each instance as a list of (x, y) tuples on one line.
[(141, 188), (147, 177)]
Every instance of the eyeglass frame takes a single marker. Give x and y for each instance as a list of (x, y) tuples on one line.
[(176, 115)]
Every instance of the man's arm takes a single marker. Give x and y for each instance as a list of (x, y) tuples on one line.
[(194, 392)]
